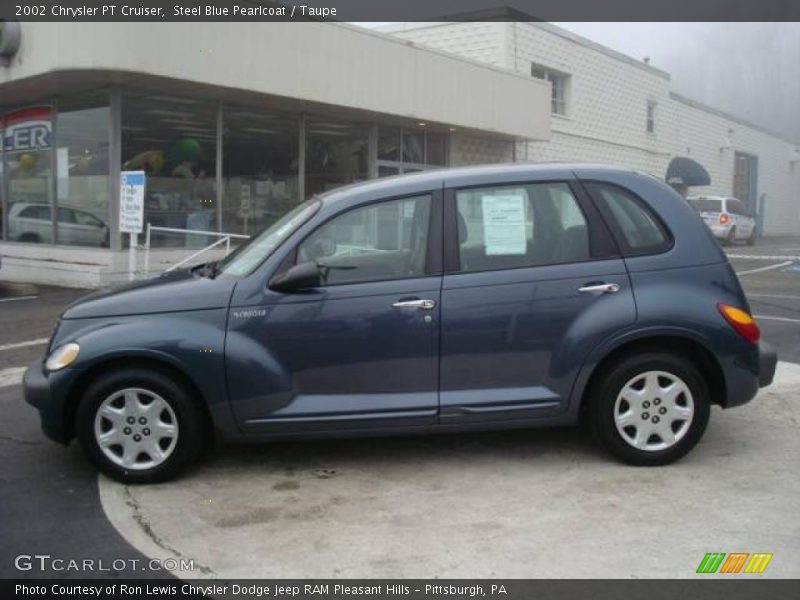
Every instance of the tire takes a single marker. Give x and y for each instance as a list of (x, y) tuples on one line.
[(639, 443), (752, 239), (731, 239), (156, 402), (30, 238)]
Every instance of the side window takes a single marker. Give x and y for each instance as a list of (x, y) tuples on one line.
[(84, 218), (378, 242), (635, 224), (506, 227), (736, 207), (36, 212), (66, 215)]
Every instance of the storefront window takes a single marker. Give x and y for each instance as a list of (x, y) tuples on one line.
[(435, 149), (388, 143), (82, 170), (27, 140), (336, 154), (174, 141), (259, 168), (413, 147), (410, 149)]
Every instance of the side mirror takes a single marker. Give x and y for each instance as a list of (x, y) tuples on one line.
[(299, 277)]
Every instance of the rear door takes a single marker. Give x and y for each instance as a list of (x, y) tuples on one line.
[(533, 282), (741, 218)]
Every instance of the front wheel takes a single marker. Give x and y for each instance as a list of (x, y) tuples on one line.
[(139, 425), (650, 409)]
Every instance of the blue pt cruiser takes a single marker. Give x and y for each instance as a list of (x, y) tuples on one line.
[(459, 299)]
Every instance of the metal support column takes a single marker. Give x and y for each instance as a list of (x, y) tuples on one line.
[(115, 166)]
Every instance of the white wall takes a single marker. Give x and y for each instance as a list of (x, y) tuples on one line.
[(607, 112)]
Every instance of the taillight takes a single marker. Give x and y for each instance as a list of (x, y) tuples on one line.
[(723, 219), (742, 322)]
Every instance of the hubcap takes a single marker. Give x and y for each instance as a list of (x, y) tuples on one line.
[(645, 428), (136, 429)]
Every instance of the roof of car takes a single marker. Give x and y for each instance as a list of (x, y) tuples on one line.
[(453, 174)]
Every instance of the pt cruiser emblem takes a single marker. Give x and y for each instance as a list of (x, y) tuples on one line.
[(249, 314)]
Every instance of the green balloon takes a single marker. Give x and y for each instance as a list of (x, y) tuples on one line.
[(185, 149)]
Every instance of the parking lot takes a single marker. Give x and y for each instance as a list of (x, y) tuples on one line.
[(541, 503)]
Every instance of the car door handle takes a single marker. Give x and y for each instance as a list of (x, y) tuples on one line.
[(599, 288), (421, 304)]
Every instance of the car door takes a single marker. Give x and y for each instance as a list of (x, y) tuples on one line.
[(359, 351), (532, 283)]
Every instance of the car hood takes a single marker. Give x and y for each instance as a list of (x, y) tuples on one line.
[(171, 292)]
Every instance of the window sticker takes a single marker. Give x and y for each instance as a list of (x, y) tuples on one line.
[(504, 224)]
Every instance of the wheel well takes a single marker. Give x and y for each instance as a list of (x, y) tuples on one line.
[(684, 347), (85, 379)]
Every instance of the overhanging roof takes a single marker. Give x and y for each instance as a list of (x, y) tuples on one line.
[(324, 63)]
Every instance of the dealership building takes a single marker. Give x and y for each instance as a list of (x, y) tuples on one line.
[(235, 123)]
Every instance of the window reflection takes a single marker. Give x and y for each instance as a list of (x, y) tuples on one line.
[(27, 139), (174, 141), (82, 170), (260, 168), (336, 154)]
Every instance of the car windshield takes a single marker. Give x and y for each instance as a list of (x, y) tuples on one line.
[(247, 257), (705, 204)]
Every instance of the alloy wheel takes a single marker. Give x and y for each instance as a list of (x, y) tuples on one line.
[(654, 410), (136, 428)]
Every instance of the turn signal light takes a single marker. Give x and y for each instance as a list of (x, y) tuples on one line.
[(723, 219), (742, 322)]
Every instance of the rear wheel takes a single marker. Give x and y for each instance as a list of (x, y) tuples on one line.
[(731, 239), (650, 409), (139, 425), (752, 239)]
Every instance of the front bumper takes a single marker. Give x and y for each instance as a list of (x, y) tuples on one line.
[(37, 388), (767, 361), (35, 385)]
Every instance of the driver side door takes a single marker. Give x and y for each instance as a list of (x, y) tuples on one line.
[(359, 351)]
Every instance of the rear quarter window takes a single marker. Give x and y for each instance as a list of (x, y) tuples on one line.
[(636, 227), (705, 204)]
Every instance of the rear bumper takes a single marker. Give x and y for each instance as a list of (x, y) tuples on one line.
[(720, 231), (767, 361)]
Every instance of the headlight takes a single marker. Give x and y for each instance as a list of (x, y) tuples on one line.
[(63, 356)]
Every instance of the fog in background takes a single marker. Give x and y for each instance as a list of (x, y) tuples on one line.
[(751, 70)]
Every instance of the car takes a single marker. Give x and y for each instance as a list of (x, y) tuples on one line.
[(726, 217), (33, 222), (492, 297)]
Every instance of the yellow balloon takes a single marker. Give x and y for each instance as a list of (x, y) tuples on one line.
[(156, 161), (27, 161), (84, 162)]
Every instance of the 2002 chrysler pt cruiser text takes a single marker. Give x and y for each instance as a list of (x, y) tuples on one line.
[(473, 298)]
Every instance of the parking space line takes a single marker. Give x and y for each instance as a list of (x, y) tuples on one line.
[(764, 257), (36, 342), (12, 376), (767, 268), (18, 298), (777, 296), (784, 319)]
